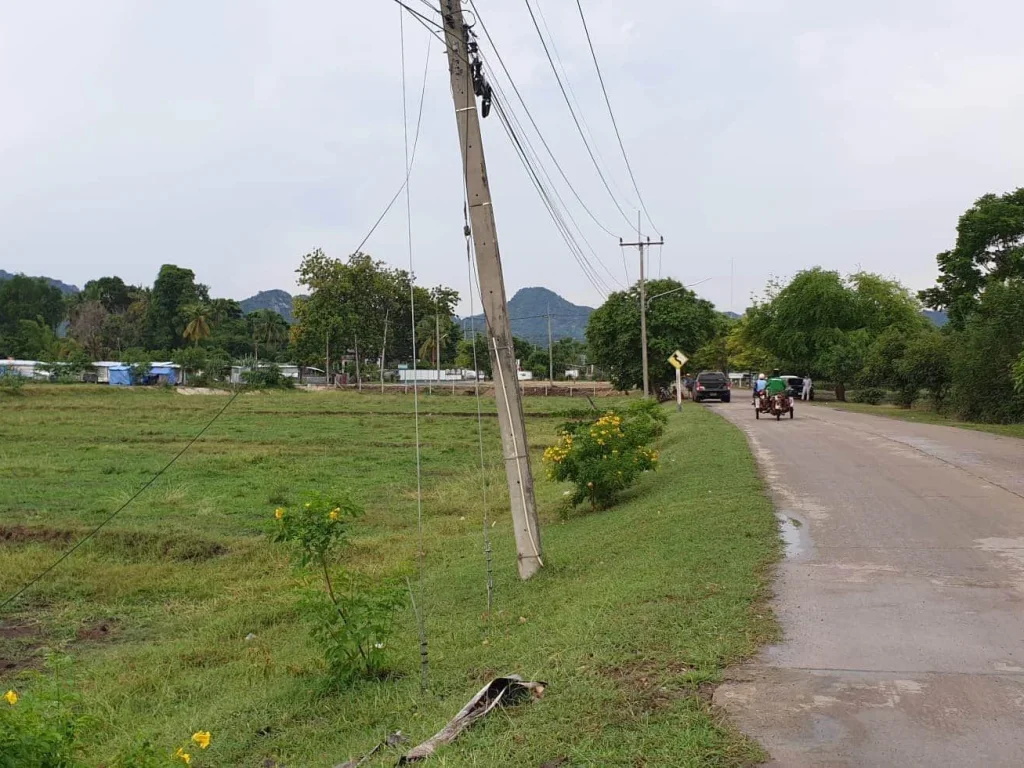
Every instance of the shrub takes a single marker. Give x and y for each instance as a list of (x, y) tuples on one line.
[(351, 619), (608, 455), (267, 376), (906, 396), (869, 395), (10, 381), (39, 727)]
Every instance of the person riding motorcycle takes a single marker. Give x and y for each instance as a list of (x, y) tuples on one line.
[(759, 386), (776, 386)]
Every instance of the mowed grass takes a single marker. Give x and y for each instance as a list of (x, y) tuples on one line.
[(638, 610), (923, 414)]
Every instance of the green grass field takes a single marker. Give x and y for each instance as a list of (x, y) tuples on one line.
[(923, 414), (637, 613)]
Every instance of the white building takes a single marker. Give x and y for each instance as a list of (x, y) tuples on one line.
[(408, 375), (28, 369)]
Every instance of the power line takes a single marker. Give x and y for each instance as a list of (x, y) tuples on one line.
[(120, 509), (420, 16), (575, 119), (409, 161), (581, 258), (533, 122), (536, 161), (611, 114)]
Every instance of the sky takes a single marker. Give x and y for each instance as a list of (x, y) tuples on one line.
[(766, 136)]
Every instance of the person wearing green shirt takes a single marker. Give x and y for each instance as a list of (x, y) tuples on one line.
[(776, 386)]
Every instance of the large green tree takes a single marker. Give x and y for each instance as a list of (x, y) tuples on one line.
[(823, 324), (677, 319), (989, 249), (174, 290), (30, 311), (111, 292), (352, 301)]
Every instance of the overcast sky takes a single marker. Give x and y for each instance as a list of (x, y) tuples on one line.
[(232, 137)]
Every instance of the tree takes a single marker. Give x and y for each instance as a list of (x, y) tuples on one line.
[(197, 326), (266, 327), (191, 359), (174, 290), (88, 320), (353, 298), (111, 292), (678, 320), (465, 357), (823, 324), (984, 354), (28, 300), (989, 249)]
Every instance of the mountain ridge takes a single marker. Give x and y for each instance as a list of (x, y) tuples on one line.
[(528, 310)]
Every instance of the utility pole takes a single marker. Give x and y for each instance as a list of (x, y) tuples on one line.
[(641, 244), (466, 82), (359, 379), (383, 348), (437, 340), (551, 359)]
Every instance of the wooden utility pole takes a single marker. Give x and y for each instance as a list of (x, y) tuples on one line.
[(641, 244), (437, 341), (492, 291)]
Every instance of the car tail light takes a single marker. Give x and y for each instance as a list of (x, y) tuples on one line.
[(700, 387)]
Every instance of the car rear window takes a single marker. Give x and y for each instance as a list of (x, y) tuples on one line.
[(711, 378)]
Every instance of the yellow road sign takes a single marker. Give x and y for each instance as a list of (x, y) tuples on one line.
[(677, 359)]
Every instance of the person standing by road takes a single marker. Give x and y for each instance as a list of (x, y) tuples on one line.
[(688, 386), (805, 393)]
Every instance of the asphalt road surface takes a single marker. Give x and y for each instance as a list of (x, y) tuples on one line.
[(901, 595)]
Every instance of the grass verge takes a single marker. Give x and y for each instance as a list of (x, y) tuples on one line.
[(639, 609), (926, 415)]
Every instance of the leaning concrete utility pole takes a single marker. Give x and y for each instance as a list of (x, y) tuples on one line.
[(641, 244), (467, 79)]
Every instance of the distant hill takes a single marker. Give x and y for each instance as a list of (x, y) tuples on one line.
[(937, 317), (528, 309), (64, 287), (276, 300)]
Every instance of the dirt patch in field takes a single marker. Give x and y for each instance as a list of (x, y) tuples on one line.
[(19, 647), (96, 632), (130, 545)]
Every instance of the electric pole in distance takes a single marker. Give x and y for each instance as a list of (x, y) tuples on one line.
[(641, 244), (467, 83)]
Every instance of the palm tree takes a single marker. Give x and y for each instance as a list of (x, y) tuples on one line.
[(198, 327), (266, 326)]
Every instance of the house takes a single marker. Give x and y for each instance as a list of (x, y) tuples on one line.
[(407, 375), (28, 369)]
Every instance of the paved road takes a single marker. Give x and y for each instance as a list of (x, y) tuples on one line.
[(901, 596)]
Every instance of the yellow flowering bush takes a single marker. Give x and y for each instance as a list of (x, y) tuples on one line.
[(351, 619), (39, 725), (605, 456)]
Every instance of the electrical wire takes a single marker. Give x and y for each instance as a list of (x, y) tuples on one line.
[(421, 613), (592, 276), (615, 123), (575, 119), (536, 162), (420, 16), (120, 509), (529, 115), (409, 160)]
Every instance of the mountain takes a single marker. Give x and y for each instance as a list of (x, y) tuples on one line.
[(528, 310), (936, 316), (64, 287), (278, 301)]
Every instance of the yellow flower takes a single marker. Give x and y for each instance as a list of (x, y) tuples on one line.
[(202, 738), (334, 513), (11, 698), (308, 504), (278, 513), (184, 756)]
